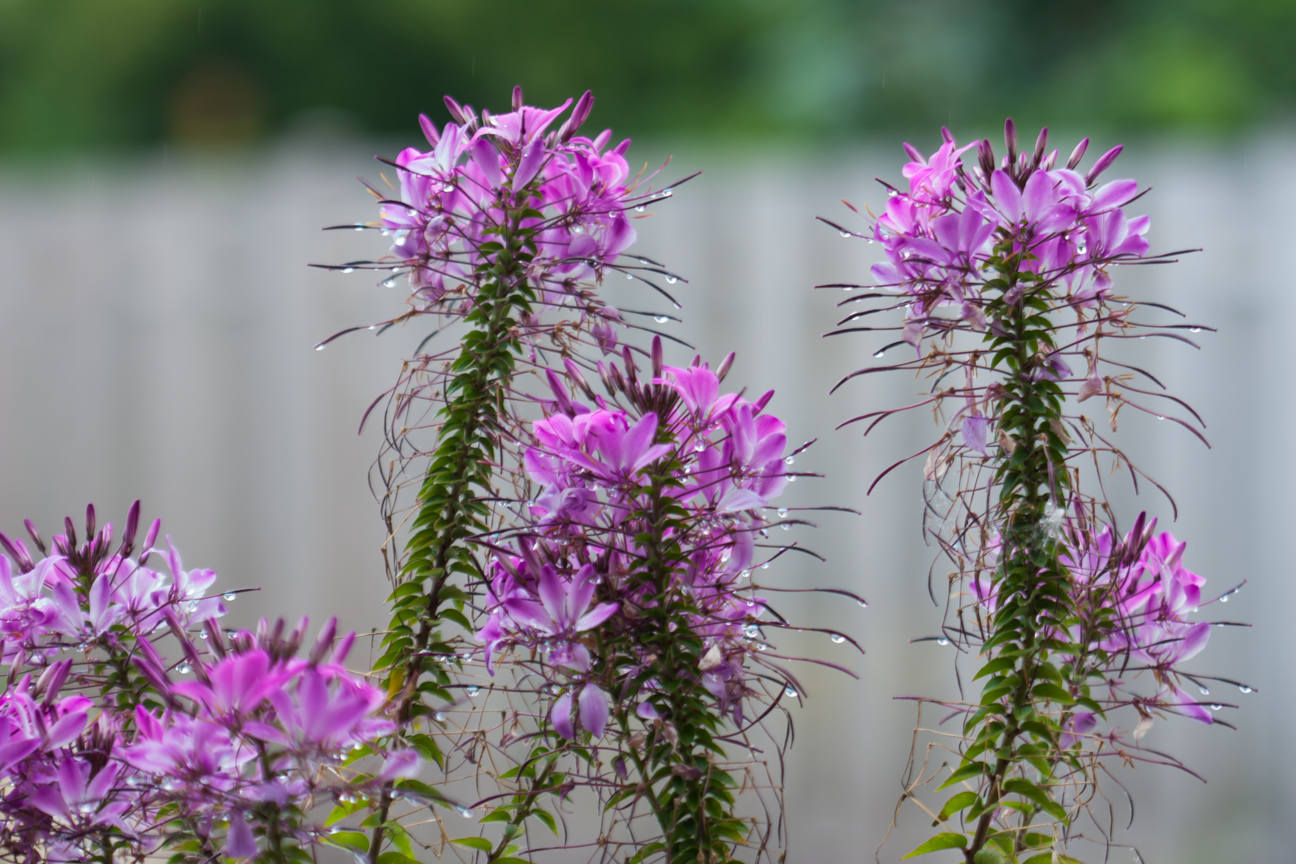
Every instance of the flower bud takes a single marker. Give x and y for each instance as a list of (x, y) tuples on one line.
[(1041, 143), (1010, 140), (517, 98), (1104, 162), (1078, 153)]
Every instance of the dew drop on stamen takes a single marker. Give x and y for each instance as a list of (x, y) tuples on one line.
[(863, 604), (1242, 688), (1217, 707), (1194, 329), (746, 574), (466, 812), (639, 208), (440, 717), (389, 282), (666, 193), (838, 638), (782, 512), (790, 692), (671, 280), (661, 319), (348, 269), (879, 353), (844, 233), (765, 566), (786, 527), (1205, 691), (630, 276), (472, 691), (792, 478), (230, 596), (184, 669), (789, 460), (1224, 599), (942, 641)]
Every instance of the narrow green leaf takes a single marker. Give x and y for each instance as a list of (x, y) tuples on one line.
[(939, 842)]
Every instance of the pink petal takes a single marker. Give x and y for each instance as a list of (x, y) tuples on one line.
[(593, 710), (561, 716)]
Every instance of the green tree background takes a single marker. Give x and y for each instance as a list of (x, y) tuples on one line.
[(117, 74)]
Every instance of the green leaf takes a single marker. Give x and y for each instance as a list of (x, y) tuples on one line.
[(479, 843), (999, 664), (939, 842), (956, 803), (1052, 692), (974, 769), (352, 840)]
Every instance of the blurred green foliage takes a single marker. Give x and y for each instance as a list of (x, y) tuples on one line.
[(78, 74)]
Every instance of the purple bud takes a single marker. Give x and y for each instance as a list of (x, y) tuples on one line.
[(69, 535), (725, 365), (760, 403), (456, 111), (657, 356), (574, 373), (343, 647), (324, 641), (1078, 153), (631, 370), (1104, 162), (517, 98), (429, 129), (579, 114), (215, 637), (1050, 161), (912, 152), (1010, 140), (560, 393), (946, 135), (150, 537), (985, 155), (35, 535), (51, 681), (1041, 143), (132, 525), (18, 552), (90, 521)]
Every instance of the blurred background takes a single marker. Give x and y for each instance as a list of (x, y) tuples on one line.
[(165, 166)]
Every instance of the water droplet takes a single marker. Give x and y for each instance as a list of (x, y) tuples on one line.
[(578, 229), (1217, 707), (320, 347), (790, 692), (891, 193), (765, 566), (204, 635), (348, 269), (360, 227), (671, 280), (639, 208), (782, 511), (746, 574), (863, 604), (751, 631), (848, 287), (942, 641), (1224, 599), (879, 352), (228, 596), (786, 527), (357, 745), (700, 445), (389, 282), (184, 669), (761, 646), (792, 478), (440, 716), (466, 812), (1205, 691), (1194, 329), (449, 187), (661, 319), (1245, 689), (472, 691), (666, 193), (838, 638), (789, 460), (1160, 417), (630, 276), (726, 555)]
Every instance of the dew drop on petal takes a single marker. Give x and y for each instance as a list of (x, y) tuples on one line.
[(838, 638)]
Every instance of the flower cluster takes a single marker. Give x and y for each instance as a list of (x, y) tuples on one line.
[(940, 235), (570, 192), (592, 465), (106, 744)]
